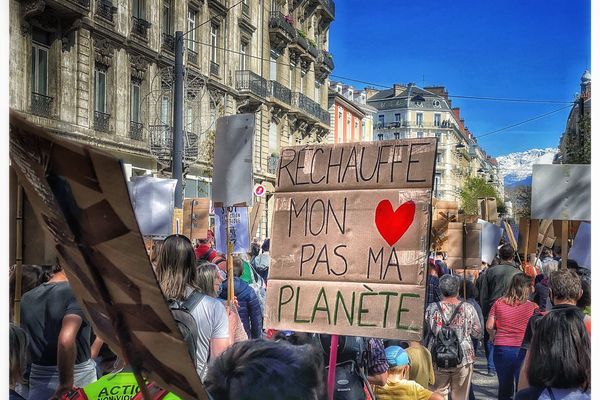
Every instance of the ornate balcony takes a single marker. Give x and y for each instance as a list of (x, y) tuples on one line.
[(41, 105), (101, 121), (272, 164), (249, 82), (326, 60), (161, 142), (105, 9), (192, 56), (281, 31), (140, 27), (214, 68), (302, 42), (280, 92), (246, 9), (136, 130), (168, 42), (190, 146), (312, 50)]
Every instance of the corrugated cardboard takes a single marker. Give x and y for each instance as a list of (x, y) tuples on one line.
[(456, 235)]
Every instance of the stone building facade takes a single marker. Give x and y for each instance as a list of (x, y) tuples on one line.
[(101, 72)]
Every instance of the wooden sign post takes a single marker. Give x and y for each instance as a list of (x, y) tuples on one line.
[(350, 238), (564, 246)]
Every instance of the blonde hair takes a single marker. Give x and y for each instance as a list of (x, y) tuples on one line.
[(397, 372), (518, 290), (207, 273)]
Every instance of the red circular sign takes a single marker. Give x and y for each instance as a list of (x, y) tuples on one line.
[(259, 190)]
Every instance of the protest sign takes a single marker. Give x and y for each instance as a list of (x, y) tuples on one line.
[(255, 217), (232, 182), (178, 221), (238, 230), (581, 250), (80, 197), (490, 238), (561, 192), (349, 242), (464, 245), (488, 209), (153, 202), (195, 218)]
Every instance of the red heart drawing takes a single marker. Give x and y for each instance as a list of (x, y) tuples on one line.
[(393, 224)]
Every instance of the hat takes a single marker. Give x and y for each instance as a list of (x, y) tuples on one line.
[(396, 356)]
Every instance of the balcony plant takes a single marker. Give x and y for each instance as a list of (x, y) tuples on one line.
[(288, 19), (302, 33), (312, 43)]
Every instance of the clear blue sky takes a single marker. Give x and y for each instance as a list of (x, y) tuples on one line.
[(525, 49)]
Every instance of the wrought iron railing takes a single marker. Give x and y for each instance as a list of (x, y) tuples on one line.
[(305, 104), (248, 81), (101, 121), (161, 142), (280, 92), (272, 164), (278, 21), (140, 26), (105, 9), (214, 68), (84, 3), (190, 145), (302, 41), (329, 5), (192, 56), (312, 50), (325, 117), (326, 59), (41, 104), (168, 42), (136, 130), (246, 9)]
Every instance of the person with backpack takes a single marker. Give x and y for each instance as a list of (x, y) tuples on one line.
[(178, 278), (506, 327), (398, 385), (449, 326), (261, 262)]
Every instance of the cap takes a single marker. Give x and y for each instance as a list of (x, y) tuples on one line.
[(396, 356)]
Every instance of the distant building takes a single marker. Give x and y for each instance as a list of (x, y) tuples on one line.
[(575, 143), (347, 116)]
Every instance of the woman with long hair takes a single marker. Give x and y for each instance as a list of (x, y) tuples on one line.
[(559, 358), (506, 326), (178, 278)]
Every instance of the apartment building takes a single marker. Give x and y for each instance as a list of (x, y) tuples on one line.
[(101, 72), (408, 111)]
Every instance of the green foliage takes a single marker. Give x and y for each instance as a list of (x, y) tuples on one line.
[(577, 142), (473, 189), (302, 33)]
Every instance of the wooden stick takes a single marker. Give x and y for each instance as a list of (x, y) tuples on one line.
[(513, 241), (141, 383), (538, 252), (18, 257), (564, 251), (230, 294)]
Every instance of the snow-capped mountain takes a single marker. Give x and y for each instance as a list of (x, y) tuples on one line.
[(516, 167)]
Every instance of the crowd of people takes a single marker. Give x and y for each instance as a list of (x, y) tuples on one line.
[(532, 322)]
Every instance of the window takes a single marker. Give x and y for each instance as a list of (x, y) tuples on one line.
[(380, 136), (439, 158), (100, 89), (437, 104), (419, 135), (165, 110), (138, 9), (191, 43), (273, 66), (419, 119), (273, 138), (396, 135), (438, 135), (243, 55), (397, 118), (135, 102), (437, 119), (381, 121), (214, 43), (39, 63), (166, 18)]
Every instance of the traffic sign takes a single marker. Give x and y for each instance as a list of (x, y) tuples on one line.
[(260, 190)]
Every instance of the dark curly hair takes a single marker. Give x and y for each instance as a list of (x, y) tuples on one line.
[(260, 369)]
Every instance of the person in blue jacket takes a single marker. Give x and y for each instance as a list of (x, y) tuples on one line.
[(249, 306)]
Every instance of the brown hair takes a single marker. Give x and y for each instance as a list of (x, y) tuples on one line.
[(565, 285), (518, 290), (176, 267), (207, 273)]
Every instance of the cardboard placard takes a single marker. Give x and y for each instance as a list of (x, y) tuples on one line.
[(439, 235), (256, 214), (233, 183), (195, 218), (80, 197), (488, 209), (490, 239), (456, 236), (178, 221), (561, 192), (349, 240), (582, 246), (238, 230), (153, 202), (445, 210)]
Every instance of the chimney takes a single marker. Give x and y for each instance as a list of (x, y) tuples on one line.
[(439, 90), (398, 89), (371, 92)]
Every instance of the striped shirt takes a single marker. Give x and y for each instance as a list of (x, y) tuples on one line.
[(511, 321)]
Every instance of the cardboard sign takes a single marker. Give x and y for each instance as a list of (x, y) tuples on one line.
[(232, 183), (178, 221), (195, 218), (238, 230), (445, 211), (490, 239), (255, 217), (153, 202), (488, 209), (349, 241), (458, 240), (561, 191), (80, 197), (582, 246)]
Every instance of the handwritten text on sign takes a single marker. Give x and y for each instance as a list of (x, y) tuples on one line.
[(349, 240)]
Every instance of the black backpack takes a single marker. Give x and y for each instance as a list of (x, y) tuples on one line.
[(446, 351), (185, 321), (350, 378)]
